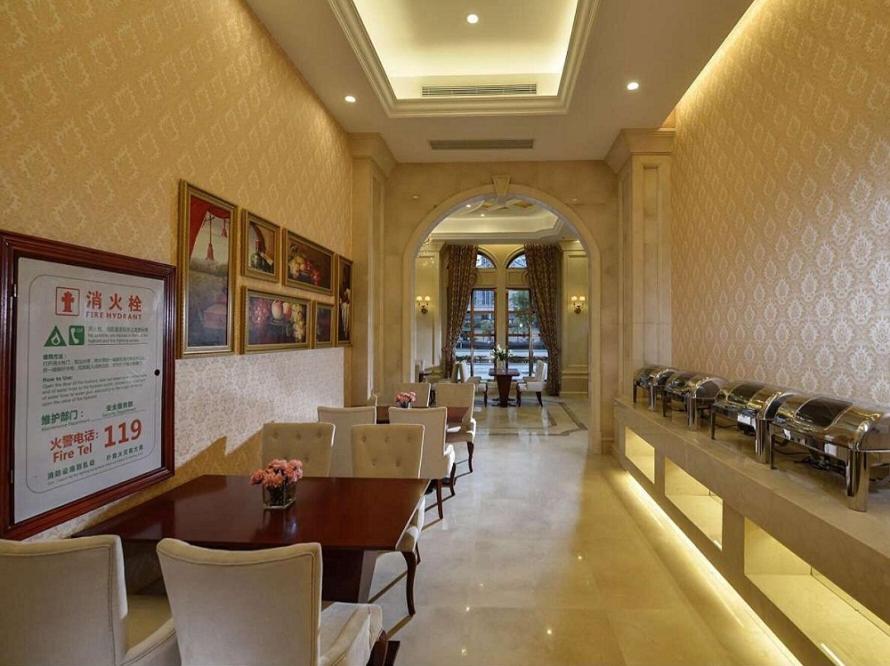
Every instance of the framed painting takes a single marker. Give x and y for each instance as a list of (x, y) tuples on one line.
[(260, 248), (207, 226), (344, 301), (323, 326), (308, 265), (274, 322), (87, 346)]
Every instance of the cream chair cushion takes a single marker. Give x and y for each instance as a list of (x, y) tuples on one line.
[(344, 418), (538, 381), (387, 451), (420, 389), (436, 458), (312, 443), (261, 608), (64, 602)]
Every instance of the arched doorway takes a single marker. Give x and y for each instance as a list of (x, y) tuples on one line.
[(454, 203)]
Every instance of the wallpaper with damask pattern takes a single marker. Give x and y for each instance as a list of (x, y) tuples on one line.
[(781, 228), (105, 105)]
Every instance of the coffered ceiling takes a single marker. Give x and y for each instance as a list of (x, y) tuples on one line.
[(530, 80), (496, 220)]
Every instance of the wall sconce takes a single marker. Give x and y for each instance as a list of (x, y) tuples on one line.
[(423, 304), (578, 303)]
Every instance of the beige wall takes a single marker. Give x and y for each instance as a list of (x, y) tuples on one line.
[(575, 327), (782, 202), (104, 106), (586, 188)]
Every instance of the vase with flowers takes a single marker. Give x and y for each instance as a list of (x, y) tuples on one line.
[(405, 399), (500, 355), (279, 481)]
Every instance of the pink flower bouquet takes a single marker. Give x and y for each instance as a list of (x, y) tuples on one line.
[(405, 398), (279, 480)]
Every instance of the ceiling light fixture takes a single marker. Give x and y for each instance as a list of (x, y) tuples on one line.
[(350, 99), (633, 85), (472, 19)]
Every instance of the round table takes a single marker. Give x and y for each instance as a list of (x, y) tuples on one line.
[(504, 379)]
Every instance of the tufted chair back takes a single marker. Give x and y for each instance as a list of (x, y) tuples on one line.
[(344, 418), (244, 607), (457, 395), (62, 593), (313, 443), (434, 461), (387, 451), (421, 389)]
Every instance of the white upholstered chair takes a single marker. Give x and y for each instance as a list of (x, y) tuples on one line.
[(460, 395), (262, 608), (420, 389), (312, 443), (394, 451), (437, 459), (344, 418), (64, 602), (463, 374), (536, 383)]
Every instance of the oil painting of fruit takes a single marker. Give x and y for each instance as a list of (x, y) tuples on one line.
[(307, 265), (274, 322)]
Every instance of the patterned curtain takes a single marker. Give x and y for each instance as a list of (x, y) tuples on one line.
[(461, 263), (544, 263)]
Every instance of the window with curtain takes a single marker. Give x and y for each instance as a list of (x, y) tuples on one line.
[(477, 338), (523, 332), (518, 262)]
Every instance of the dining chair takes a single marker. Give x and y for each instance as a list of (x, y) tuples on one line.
[(394, 451), (464, 374), (420, 389), (437, 458), (65, 602), (263, 608), (460, 395), (311, 443), (537, 382), (344, 418)]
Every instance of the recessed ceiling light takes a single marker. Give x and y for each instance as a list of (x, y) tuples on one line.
[(472, 19), (483, 214), (350, 99), (469, 205), (633, 85)]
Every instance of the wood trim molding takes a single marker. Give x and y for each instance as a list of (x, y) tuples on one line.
[(630, 142)]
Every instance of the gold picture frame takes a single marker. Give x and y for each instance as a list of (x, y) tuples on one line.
[(206, 273), (274, 322), (343, 282), (260, 248), (323, 324), (307, 265)]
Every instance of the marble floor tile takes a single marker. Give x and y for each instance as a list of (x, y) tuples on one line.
[(542, 559)]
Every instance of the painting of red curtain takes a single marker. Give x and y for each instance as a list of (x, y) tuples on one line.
[(206, 276)]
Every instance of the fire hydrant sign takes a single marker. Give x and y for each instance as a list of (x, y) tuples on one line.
[(89, 382), (89, 403)]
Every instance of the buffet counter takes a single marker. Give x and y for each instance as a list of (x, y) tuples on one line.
[(817, 573)]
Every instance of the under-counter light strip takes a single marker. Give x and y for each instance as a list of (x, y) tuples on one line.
[(723, 589)]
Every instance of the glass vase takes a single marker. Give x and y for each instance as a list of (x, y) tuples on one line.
[(279, 497)]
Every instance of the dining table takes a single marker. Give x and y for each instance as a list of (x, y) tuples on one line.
[(504, 378), (354, 519), (454, 417)]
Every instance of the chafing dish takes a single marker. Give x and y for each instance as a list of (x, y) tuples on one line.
[(651, 379), (856, 435), (751, 406), (695, 391)]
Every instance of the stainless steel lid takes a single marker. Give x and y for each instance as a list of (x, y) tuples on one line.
[(698, 384), (652, 375), (737, 395)]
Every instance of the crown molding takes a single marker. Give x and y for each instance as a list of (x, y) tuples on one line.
[(630, 142), (501, 236), (371, 146), (350, 21)]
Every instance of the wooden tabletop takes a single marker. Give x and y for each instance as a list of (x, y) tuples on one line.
[(227, 512), (455, 415)]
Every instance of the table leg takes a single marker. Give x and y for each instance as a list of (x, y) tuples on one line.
[(504, 382), (347, 575)]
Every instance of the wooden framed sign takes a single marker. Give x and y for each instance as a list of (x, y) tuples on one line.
[(86, 363)]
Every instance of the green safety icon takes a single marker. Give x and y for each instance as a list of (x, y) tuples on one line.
[(76, 335), (55, 339)]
